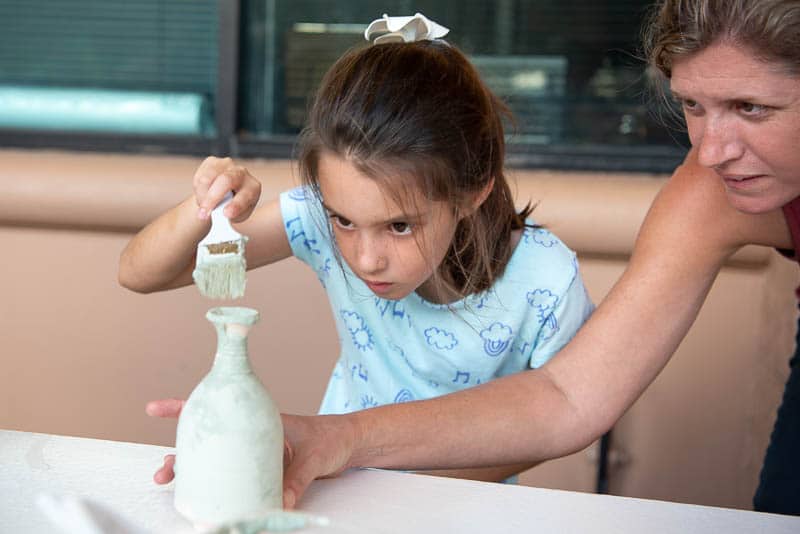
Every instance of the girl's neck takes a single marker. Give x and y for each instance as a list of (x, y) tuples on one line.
[(444, 292), (439, 292)]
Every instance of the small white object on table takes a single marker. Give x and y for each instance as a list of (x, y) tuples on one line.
[(119, 476)]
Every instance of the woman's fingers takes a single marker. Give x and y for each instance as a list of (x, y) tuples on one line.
[(164, 407), (314, 447), (166, 473)]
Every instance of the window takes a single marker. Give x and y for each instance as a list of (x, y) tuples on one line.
[(106, 70), (237, 77)]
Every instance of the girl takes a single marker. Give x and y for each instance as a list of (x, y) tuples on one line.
[(435, 281)]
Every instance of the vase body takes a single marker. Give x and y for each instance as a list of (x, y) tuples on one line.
[(229, 443)]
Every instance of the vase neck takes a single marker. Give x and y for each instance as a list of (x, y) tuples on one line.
[(231, 348)]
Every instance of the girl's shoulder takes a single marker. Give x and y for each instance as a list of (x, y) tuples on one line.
[(306, 225), (539, 243), (540, 258)]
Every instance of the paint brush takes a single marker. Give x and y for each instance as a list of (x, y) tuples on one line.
[(219, 272)]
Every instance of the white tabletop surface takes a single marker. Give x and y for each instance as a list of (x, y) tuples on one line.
[(118, 475)]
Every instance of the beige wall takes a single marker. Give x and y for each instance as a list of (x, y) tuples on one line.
[(81, 356)]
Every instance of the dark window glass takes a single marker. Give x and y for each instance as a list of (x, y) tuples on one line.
[(166, 75), (117, 66), (568, 68)]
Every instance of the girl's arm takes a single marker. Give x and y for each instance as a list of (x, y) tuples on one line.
[(162, 255), (689, 232)]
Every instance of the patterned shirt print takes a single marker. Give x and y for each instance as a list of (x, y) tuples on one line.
[(411, 349)]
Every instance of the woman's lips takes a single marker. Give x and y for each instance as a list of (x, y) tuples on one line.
[(741, 181)]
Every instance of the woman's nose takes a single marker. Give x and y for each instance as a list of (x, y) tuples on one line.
[(719, 143)]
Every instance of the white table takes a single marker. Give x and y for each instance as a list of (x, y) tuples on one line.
[(118, 475)]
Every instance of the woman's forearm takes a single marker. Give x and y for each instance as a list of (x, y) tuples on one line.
[(536, 415), (581, 392)]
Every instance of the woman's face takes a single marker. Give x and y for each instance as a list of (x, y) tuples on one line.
[(743, 116)]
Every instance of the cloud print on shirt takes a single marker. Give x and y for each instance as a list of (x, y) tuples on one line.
[(441, 339), (544, 238), (496, 338), (544, 301)]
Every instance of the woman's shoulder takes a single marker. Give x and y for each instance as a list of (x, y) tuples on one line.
[(694, 201)]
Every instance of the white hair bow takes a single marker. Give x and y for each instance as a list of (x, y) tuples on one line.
[(403, 29)]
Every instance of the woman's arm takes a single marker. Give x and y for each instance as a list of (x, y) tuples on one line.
[(564, 406), (162, 255), (486, 474)]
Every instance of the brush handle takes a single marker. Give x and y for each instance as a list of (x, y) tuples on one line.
[(221, 229)]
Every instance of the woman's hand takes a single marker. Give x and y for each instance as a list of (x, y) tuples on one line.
[(212, 181), (165, 408), (313, 447)]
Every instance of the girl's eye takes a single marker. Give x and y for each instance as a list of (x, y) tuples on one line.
[(401, 228), (341, 222)]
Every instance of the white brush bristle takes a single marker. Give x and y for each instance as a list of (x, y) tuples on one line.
[(220, 276)]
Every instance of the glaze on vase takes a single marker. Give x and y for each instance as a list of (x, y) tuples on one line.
[(229, 444)]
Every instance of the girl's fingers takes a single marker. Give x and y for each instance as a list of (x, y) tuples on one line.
[(244, 200), (166, 473), (230, 178), (224, 183), (206, 174), (164, 407)]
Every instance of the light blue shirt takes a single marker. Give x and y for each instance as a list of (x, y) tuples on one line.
[(410, 349)]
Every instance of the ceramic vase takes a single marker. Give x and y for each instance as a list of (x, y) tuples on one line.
[(229, 444)]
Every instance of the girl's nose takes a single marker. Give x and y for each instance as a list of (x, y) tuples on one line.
[(719, 144), (371, 255)]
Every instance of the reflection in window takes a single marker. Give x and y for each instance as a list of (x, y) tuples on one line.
[(143, 67), (568, 68)]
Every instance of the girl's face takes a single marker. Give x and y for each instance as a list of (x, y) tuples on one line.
[(393, 251), (743, 116)]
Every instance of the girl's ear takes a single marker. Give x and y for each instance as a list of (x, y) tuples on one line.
[(480, 197)]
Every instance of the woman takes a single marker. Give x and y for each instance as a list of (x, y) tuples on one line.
[(734, 66)]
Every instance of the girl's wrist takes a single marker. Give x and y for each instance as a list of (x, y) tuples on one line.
[(189, 213)]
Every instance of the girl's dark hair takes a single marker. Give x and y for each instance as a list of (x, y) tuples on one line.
[(418, 115)]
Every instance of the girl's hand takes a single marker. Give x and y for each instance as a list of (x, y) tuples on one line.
[(212, 181)]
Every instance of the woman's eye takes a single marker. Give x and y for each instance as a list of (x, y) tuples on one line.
[(341, 222), (748, 108), (401, 228), (688, 103)]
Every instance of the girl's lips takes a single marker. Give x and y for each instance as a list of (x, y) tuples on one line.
[(378, 287)]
